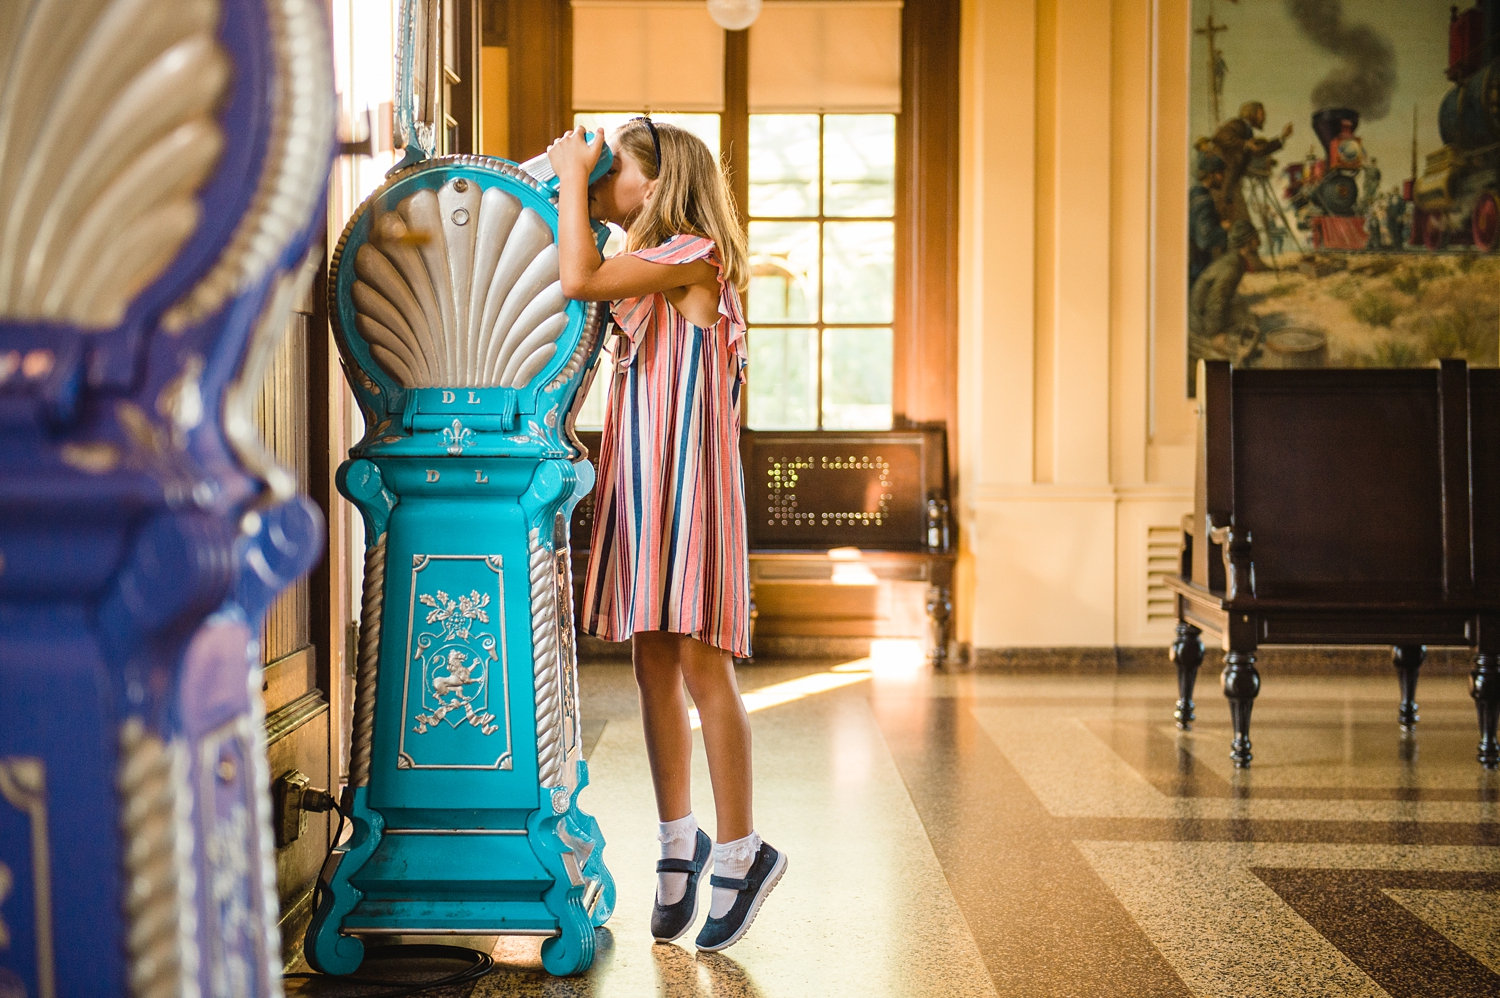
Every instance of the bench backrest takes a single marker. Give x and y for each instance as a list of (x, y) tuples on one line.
[(813, 490), (879, 490), (1352, 484)]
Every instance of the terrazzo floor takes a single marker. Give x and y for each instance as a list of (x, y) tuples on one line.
[(975, 834)]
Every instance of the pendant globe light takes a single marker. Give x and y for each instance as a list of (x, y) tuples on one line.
[(734, 15)]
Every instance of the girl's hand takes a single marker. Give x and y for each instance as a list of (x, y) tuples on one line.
[(572, 156)]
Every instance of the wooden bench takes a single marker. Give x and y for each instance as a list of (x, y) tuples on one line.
[(1343, 507), (837, 512), (825, 508)]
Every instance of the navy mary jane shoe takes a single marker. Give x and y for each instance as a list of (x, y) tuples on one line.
[(719, 933), (671, 920)]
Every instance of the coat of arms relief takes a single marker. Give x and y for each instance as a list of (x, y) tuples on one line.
[(456, 688)]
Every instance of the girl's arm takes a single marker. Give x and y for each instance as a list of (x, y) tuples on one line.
[(577, 255), (628, 276), (584, 275)]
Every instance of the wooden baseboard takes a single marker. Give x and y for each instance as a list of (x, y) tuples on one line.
[(1292, 661)]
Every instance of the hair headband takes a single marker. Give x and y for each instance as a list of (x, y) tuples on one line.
[(655, 139)]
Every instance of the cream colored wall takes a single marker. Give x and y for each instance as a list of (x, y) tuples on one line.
[(1075, 437)]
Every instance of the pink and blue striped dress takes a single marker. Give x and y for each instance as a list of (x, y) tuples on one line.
[(669, 550)]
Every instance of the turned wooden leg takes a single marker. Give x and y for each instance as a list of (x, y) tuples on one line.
[(1187, 653), (1484, 687), (1241, 684), (1408, 659), (939, 620)]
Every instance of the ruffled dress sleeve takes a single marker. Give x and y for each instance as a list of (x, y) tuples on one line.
[(636, 316)]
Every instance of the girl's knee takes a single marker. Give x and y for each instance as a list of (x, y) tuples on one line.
[(655, 663), (656, 675), (710, 676)]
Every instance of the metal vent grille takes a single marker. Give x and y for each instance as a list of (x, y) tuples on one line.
[(1163, 554)]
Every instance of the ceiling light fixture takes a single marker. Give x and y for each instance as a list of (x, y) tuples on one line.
[(734, 15)]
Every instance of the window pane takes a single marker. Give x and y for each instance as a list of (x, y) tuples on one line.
[(783, 165), (783, 272), (859, 165), (782, 379), (856, 379), (859, 268)]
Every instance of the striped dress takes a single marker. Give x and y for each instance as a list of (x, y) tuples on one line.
[(669, 550)]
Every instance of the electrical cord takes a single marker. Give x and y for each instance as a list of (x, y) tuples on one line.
[(480, 964)]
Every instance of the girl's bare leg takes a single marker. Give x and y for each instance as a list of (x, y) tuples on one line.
[(664, 715), (663, 663), (709, 674)]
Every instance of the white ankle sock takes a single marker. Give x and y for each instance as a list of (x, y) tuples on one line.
[(732, 859), (679, 840)]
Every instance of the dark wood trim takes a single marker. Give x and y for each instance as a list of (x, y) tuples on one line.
[(1458, 544), (464, 94), (541, 75), (494, 23), (321, 466), (926, 347), (734, 137)]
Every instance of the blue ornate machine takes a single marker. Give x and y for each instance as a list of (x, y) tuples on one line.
[(162, 168), (466, 758)]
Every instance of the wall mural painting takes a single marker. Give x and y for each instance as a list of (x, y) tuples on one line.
[(1344, 208)]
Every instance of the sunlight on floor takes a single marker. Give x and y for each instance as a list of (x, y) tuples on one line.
[(888, 658)]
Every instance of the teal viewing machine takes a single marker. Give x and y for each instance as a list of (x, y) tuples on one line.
[(466, 759)]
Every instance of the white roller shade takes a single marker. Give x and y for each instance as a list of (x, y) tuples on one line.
[(835, 56), (657, 56)]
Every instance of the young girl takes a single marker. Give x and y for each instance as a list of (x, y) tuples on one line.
[(668, 566)]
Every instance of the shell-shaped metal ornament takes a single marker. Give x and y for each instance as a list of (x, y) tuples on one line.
[(458, 287), (107, 133)]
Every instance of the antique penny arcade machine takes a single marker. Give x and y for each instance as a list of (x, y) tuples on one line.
[(466, 757)]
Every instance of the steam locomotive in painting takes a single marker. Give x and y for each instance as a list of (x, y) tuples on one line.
[(1457, 197), (1325, 193), (1455, 200)]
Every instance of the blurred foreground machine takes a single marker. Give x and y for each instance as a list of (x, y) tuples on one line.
[(162, 168)]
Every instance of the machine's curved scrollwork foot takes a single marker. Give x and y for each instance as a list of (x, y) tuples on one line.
[(571, 951), (596, 875), (328, 950)]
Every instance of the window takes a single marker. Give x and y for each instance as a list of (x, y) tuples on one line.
[(806, 106), (822, 258)]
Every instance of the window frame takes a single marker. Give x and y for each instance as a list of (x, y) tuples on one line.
[(820, 325)]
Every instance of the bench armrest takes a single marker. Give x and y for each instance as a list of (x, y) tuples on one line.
[(1239, 567)]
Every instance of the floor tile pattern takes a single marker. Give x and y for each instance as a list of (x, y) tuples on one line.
[(992, 834)]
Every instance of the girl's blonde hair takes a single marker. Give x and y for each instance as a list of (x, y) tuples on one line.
[(692, 195)]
